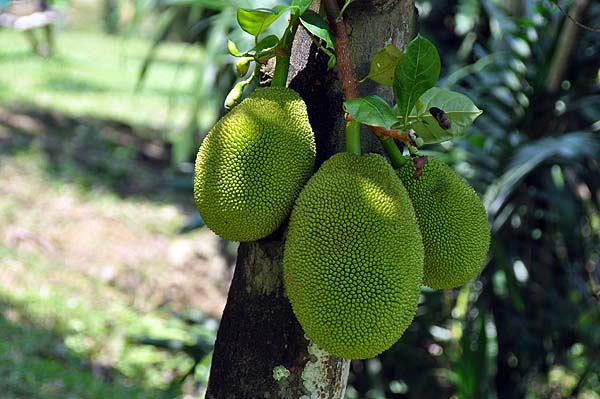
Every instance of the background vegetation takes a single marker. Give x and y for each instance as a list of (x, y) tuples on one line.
[(107, 290)]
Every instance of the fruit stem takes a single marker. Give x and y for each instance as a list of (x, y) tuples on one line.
[(386, 138), (283, 51), (353, 137), (393, 152), (282, 65)]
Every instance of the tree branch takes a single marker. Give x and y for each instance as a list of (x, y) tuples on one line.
[(350, 82)]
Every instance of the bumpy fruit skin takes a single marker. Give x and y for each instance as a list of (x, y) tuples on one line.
[(353, 259), (253, 164), (453, 222)]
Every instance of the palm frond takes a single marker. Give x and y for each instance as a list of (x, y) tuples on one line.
[(570, 147)]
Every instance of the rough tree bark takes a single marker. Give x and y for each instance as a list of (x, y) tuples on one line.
[(261, 350)]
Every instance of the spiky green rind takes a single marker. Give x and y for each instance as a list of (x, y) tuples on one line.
[(253, 164), (453, 222), (353, 260)]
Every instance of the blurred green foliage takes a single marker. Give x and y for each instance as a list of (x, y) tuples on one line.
[(528, 326)]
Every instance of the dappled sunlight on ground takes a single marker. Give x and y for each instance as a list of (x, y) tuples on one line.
[(132, 245), (92, 254)]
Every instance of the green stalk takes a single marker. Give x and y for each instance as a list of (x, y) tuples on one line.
[(353, 137), (282, 59), (393, 152), (282, 66)]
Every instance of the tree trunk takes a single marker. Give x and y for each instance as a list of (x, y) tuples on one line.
[(261, 350)]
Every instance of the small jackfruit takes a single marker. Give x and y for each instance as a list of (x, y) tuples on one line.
[(353, 259), (453, 223), (253, 164)]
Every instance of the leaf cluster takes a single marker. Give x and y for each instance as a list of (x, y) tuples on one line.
[(256, 21), (413, 75)]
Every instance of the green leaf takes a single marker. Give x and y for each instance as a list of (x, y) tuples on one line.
[(266, 42), (317, 26), (371, 110), (458, 107), (233, 50), (279, 10), (383, 65), (256, 21), (417, 71), (331, 61), (299, 7)]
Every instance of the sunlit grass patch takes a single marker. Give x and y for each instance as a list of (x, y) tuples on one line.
[(95, 74), (65, 333)]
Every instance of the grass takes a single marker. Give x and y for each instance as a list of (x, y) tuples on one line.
[(95, 74), (65, 335), (91, 258), (83, 274)]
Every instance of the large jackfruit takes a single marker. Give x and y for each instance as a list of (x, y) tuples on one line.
[(452, 220), (253, 164), (353, 259)]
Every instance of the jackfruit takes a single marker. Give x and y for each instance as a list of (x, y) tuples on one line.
[(353, 259), (452, 220), (253, 164)]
